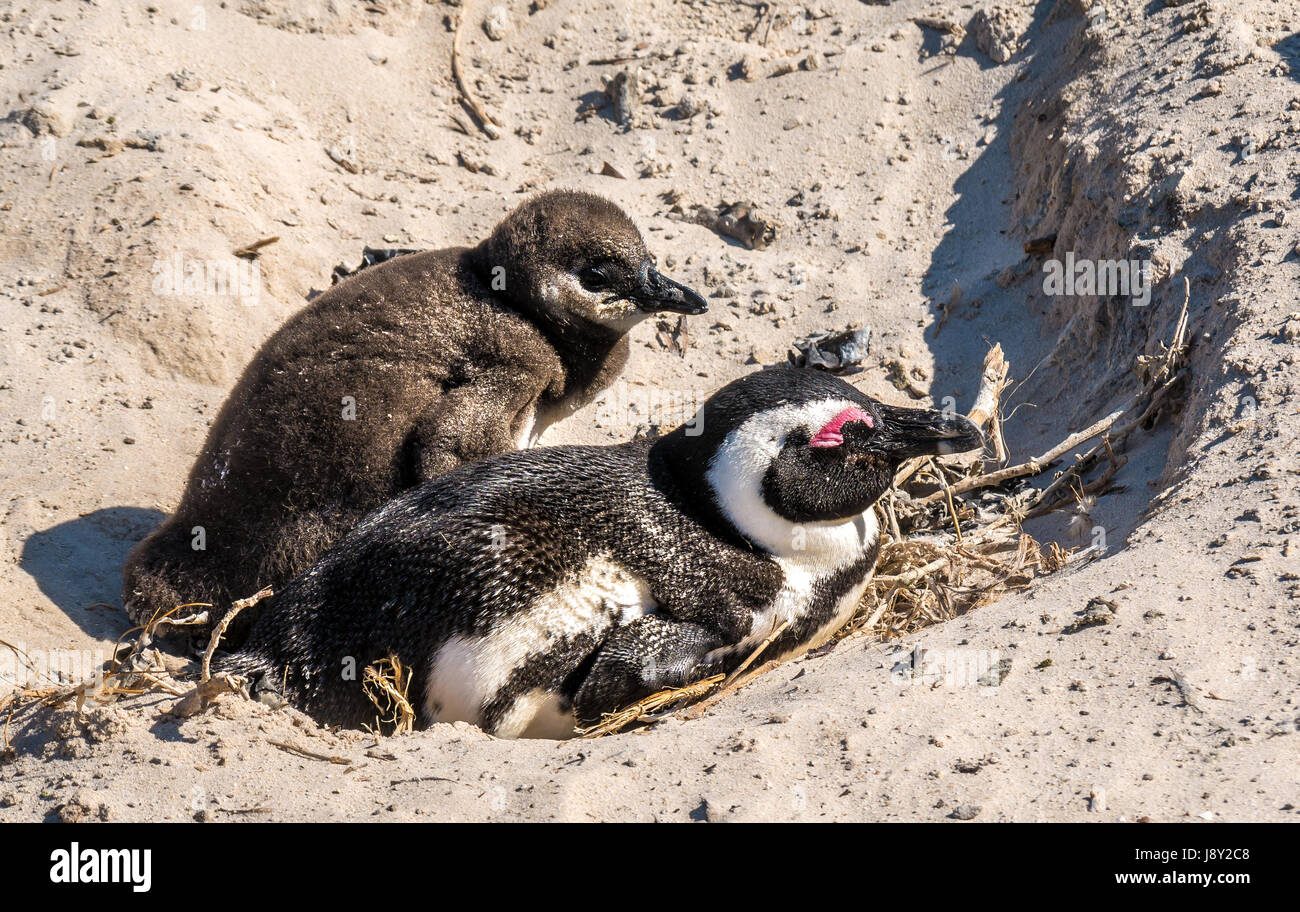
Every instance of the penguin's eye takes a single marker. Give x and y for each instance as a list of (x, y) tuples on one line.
[(593, 279)]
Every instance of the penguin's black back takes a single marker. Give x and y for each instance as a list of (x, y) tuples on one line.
[(459, 555)]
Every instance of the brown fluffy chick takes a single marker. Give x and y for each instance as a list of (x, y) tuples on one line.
[(396, 375)]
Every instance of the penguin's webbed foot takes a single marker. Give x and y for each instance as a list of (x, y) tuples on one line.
[(264, 688), (650, 654), (260, 678)]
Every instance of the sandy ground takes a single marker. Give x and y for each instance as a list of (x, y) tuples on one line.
[(904, 166)]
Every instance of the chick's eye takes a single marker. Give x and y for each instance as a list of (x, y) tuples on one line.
[(593, 279)]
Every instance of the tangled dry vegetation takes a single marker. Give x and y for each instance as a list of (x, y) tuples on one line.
[(952, 540), (139, 667)]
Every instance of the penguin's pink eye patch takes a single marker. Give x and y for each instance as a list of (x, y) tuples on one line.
[(831, 434)]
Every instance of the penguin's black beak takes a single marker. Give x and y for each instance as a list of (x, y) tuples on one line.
[(656, 292), (905, 433)]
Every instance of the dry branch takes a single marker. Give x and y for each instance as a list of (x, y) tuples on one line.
[(222, 625), (1164, 376), (913, 575), (1033, 466), (616, 722), (984, 414), (992, 382), (485, 121), (202, 696), (254, 250), (309, 754)]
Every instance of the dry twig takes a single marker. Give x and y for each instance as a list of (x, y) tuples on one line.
[(222, 625), (386, 683), (309, 754), (485, 121), (616, 722), (1033, 466), (254, 250)]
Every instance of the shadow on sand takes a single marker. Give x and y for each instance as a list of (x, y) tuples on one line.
[(972, 312), (78, 564)]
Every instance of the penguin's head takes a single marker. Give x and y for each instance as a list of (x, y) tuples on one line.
[(789, 447), (578, 261)]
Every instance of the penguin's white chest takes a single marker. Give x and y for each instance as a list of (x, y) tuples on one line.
[(469, 673), (828, 550), (818, 552)]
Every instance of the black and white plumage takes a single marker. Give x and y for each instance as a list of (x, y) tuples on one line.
[(535, 589), (392, 377)]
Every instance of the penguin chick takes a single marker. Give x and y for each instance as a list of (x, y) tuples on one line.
[(392, 377), (536, 589)]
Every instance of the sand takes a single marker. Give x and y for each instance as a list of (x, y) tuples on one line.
[(905, 153)]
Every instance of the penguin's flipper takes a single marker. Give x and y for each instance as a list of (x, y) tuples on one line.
[(648, 655), (467, 422)]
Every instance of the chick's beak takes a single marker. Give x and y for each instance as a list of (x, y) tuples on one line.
[(656, 292)]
